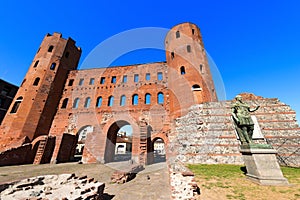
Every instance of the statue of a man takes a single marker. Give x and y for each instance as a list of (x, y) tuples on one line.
[(244, 124)]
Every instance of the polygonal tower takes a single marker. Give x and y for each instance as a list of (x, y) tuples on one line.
[(36, 101), (190, 79)]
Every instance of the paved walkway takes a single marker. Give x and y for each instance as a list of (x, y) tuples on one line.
[(149, 184)]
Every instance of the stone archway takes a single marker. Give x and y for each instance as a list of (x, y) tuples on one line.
[(81, 138), (111, 140), (159, 150)]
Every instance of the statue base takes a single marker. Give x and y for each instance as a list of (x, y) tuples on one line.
[(261, 164)]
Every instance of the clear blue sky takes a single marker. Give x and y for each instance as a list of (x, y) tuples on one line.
[(255, 44)]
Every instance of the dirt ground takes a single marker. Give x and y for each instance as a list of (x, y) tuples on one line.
[(149, 184)]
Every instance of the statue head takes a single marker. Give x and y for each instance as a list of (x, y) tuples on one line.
[(238, 98)]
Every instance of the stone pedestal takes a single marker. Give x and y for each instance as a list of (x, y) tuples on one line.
[(262, 166)]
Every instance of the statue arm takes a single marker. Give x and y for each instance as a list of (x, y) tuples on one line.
[(233, 113), (255, 109)]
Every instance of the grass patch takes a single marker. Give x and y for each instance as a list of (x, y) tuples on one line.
[(229, 182)]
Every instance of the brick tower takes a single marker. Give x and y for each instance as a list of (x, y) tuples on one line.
[(190, 80), (35, 104)]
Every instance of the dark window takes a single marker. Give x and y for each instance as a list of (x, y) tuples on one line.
[(50, 49), (16, 105), (81, 81), (148, 99), (113, 79), (148, 77), (67, 54), (172, 55), (193, 31), (182, 70), (99, 102), (110, 101), (136, 78), (71, 81), (159, 76), (53, 65), (2, 101), (124, 79), (36, 64), (188, 48), (6, 90), (123, 100), (65, 103), (76, 103), (92, 81), (196, 88), (87, 102), (135, 99), (160, 98), (177, 34), (102, 80), (201, 68), (36, 81)]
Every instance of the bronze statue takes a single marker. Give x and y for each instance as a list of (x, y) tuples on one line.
[(241, 115)]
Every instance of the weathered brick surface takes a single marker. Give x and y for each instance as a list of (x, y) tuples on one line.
[(206, 134)]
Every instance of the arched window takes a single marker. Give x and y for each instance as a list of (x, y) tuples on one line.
[(50, 49), (135, 99), (53, 65), (87, 102), (177, 34), (172, 55), (36, 81), (148, 99), (123, 100), (201, 68), (196, 88), (16, 105), (182, 70), (160, 98), (76, 103), (99, 102), (188, 48), (36, 64), (65, 103), (110, 101)]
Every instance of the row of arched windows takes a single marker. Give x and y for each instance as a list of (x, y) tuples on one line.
[(52, 66), (111, 99)]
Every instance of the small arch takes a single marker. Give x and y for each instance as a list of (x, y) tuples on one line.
[(136, 78), (16, 104), (50, 49), (160, 98), (65, 103), (36, 64), (148, 99), (81, 138), (123, 100), (87, 102), (159, 76), (135, 99), (110, 101), (36, 81), (53, 65), (196, 87), (177, 34), (76, 103), (172, 55), (188, 48), (159, 151), (182, 70), (99, 102)]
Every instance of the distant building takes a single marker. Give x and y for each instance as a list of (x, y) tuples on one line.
[(7, 94), (159, 147)]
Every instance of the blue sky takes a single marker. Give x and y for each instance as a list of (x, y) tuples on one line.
[(255, 44)]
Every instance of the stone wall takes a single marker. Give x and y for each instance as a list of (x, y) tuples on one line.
[(206, 134)]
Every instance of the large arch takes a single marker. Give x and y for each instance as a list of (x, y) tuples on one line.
[(111, 140)]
